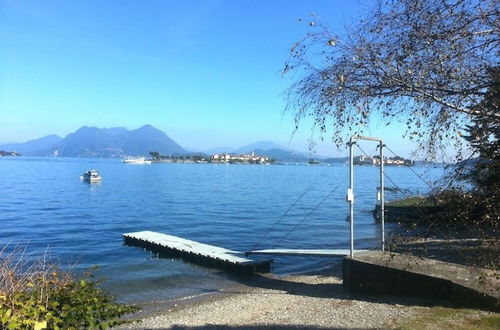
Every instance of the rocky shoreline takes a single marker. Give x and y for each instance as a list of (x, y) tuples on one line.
[(318, 300), (315, 300)]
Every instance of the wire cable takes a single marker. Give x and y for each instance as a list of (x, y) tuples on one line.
[(307, 215), (411, 169), (417, 207), (288, 210)]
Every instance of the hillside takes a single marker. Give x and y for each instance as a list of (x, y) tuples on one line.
[(101, 142), (147, 138), (262, 145), (281, 155), (37, 147)]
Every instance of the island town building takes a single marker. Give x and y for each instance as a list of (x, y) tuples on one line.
[(251, 158), (9, 153), (398, 161)]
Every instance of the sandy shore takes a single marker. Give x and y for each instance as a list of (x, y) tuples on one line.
[(271, 302)]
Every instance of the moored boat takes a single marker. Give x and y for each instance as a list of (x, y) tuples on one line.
[(136, 160), (91, 176)]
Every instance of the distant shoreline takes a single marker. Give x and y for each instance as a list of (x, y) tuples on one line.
[(277, 162)]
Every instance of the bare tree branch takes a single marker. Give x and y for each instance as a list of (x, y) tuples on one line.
[(423, 60)]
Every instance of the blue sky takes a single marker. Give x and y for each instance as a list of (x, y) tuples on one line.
[(205, 72)]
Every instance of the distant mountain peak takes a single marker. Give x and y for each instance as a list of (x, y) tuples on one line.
[(147, 127), (35, 147), (91, 141), (51, 136), (87, 128), (261, 145)]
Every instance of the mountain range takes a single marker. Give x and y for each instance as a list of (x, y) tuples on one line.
[(119, 142), (32, 147), (97, 142)]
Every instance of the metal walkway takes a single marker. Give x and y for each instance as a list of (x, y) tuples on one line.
[(309, 253), (210, 255)]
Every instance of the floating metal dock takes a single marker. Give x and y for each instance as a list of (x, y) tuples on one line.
[(308, 253), (196, 252)]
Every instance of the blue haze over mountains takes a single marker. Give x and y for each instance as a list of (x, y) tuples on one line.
[(120, 142), (97, 142)]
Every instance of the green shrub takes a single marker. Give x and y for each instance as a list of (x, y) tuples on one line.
[(41, 296)]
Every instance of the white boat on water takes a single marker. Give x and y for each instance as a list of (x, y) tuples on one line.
[(91, 176), (136, 160)]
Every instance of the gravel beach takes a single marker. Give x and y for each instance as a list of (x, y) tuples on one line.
[(271, 302)]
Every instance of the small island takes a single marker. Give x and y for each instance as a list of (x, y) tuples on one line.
[(390, 161), (223, 158), (9, 153)]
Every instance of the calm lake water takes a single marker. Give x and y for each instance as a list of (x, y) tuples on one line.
[(44, 204)]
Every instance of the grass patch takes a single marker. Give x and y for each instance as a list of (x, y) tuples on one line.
[(408, 210), (416, 201), (450, 318), (488, 322)]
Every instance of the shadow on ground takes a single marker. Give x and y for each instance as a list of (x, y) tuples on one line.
[(329, 290), (252, 327), (291, 286)]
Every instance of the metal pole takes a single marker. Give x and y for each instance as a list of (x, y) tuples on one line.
[(350, 193), (382, 202)]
